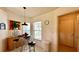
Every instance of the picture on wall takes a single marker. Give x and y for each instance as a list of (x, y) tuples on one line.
[(14, 24), (2, 26)]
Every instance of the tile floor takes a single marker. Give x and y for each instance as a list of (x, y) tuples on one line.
[(62, 48), (25, 48)]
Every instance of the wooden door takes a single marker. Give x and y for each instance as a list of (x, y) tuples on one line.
[(66, 30), (77, 33)]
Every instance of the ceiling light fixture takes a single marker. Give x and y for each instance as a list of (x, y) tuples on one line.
[(24, 16)]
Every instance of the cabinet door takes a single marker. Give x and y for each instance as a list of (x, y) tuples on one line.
[(10, 44)]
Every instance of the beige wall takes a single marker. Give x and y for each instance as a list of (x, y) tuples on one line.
[(3, 33), (50, 32)]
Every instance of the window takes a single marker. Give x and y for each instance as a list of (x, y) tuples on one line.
[(26, 29), (37, 30)]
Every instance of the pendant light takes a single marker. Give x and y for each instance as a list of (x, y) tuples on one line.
[(24, 17)]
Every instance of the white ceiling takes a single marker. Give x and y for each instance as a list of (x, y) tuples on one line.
[(30, 11)]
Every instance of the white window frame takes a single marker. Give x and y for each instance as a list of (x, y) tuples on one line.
[(37, 30)]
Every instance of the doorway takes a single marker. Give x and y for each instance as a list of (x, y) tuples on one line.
[(66, 30)]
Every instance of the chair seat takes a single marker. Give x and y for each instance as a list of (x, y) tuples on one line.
[(31, 44)]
